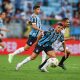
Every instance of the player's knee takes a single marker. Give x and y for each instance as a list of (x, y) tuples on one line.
[(68, 52), (52, 55), (32, 58), (26, 47)]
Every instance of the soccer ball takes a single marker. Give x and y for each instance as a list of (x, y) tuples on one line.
[(53, 62)]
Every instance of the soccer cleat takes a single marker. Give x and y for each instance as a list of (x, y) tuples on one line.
[(62, 66), (10, 58), (43, 69), (18, 66)]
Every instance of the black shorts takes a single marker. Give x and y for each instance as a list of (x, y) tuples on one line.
[(39, 49), (0, 40), (31, 40)]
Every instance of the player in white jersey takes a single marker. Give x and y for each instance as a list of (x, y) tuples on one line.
[(2, 17), (57, 45)]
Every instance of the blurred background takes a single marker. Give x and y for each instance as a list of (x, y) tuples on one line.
[(18, 11), (52, 11)]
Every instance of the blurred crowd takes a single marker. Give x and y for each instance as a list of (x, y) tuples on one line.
[(18, 11)]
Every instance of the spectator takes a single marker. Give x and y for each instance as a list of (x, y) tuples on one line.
[(76, 20)]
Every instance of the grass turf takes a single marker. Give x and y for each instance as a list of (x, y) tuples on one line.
[(30, 71)]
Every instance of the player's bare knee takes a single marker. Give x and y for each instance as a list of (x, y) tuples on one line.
[(33, 57), (26, 47), (68, 52), (51, 55)]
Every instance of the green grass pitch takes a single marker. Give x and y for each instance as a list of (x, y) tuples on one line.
[(30, 71)]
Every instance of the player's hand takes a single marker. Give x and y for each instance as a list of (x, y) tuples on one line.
[(42, 32)]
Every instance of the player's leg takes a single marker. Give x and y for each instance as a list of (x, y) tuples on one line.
[(64, 58), (1, 44), (37, 50), (51, 54), (30, 42), (18, 51), (26, 60), (43, 56)]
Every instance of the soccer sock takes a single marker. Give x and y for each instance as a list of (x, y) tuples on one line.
[(25, 60), (63, 58), (18, 51), (43, 56), (43, 63)]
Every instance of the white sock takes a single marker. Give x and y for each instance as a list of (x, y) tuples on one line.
[(43, 56), (18, 51), (25, 60), (45, 65)]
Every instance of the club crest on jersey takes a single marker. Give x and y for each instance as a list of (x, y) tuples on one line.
[(30, 43), (37, 50)]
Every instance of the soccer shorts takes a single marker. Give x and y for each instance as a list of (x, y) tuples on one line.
[(31, 40), (39, 49)]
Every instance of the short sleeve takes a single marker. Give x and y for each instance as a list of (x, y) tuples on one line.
[(33, 19)]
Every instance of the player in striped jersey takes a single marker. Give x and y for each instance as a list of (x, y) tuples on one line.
[(45, 44), (57, 45), (33, 36)]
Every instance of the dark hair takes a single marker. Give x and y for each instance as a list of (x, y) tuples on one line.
[(36, 6), (64, 19), (60, 24)]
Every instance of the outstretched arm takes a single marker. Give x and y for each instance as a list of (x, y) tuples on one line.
[(6, 30), (69, 38)]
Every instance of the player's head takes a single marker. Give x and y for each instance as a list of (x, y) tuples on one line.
[(66, 22), (3, 15), (36, 9), (59, 28)]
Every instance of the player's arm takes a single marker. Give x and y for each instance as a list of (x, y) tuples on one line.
[(69, 38), (6, 30), (35, 27), (62, 39), (46, 33), (34, 20), (38, 38), (64, 46)]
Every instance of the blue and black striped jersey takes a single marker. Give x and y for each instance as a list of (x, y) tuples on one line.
[(50, 37), (35, 19), (1, 23)]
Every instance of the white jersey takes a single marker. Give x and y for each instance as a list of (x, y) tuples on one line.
[(57, 45)]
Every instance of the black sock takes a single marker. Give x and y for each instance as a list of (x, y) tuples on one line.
[(43, 63), (63, 59)]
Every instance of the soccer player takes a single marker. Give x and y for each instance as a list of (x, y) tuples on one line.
[(57, 45), (33, 36), (45, 44), (2, 17)]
